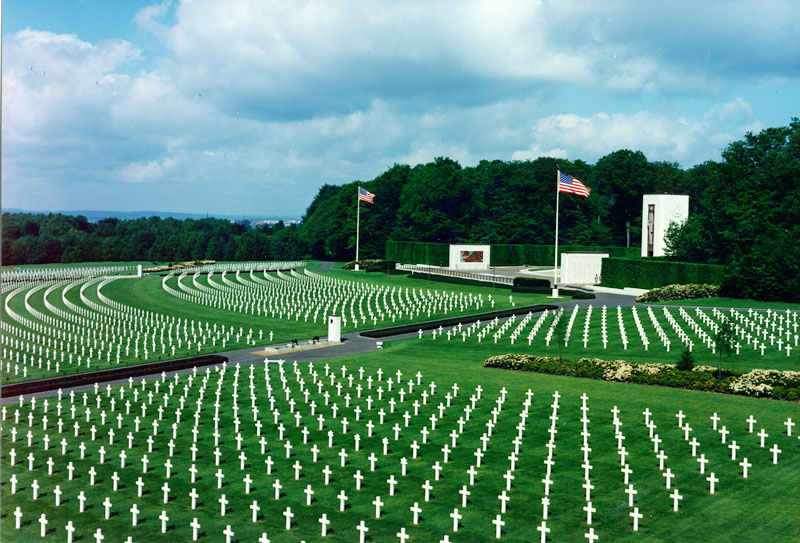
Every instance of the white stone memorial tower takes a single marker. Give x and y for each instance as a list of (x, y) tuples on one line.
[(658, 211)]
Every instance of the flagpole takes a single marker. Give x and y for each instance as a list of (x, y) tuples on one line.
[(358, 221), (555, 259)]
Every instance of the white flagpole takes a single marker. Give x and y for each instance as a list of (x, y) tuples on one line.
[(555, 260), (358, 221)]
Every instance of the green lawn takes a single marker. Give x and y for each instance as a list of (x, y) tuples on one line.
[(747, 359), (761, 508), (148, 295)]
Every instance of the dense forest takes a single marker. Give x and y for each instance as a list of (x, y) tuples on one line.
[(40, 238), (744, 212)]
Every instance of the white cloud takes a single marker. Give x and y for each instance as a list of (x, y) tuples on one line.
[(288, 95), (660, 137)]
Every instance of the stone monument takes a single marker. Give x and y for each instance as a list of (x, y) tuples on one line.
[(658, 211), (470, 257), (335, 329)]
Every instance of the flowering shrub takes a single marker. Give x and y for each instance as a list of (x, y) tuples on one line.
[(678, 292), (781, 385)]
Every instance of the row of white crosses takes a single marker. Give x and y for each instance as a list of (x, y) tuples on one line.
[(784, 339), (165, 488), (75, 337), (764, 329), (14, 276), (312, 296), (115, 412)]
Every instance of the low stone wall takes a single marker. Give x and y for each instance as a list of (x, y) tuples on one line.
[(114, 374)]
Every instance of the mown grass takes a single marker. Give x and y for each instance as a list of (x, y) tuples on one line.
[(761, 508)]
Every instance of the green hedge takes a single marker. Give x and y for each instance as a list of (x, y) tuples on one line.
[(437, 254), (531, 282), (656, 272), (542, 255), (418, 252)]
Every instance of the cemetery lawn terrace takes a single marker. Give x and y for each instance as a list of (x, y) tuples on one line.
[(761, 508), (147, 294)]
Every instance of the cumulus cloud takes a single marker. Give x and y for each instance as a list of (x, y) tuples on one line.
[(683, 139), (275, 98)]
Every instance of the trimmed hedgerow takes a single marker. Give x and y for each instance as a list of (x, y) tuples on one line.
[(652, 273), (780, 385)]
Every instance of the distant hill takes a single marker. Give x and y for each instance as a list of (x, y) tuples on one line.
[(98, 215)]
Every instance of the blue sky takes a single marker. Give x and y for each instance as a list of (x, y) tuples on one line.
[(249, 106)]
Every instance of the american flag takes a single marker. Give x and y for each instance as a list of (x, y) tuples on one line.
[(365, 195), (567, 183)]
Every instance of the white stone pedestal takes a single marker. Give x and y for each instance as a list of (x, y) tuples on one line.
[(335, 329)]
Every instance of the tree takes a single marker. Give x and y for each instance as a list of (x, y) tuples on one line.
[(686, 360), (724, 339), (621, 178), (560, 331)]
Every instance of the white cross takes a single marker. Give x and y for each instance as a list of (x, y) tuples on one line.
[(308, 492), (416, 509), (745, 464), (194, 495), (789, 425), (676, 497), (427, 487), (164, 518), (69, 528), (289, 515), (378, 504), (342, 498), (635, 515), (712, 479), (775, 452), (589, 510), (43, 524), (544, 530), (195, 526), (702, 461), (98, 536), (402, 535), (223, 501), (763, 435), (591, 536), (228, 533), (324, 521), (750, 422), (255, 509), (362, 529), (631, 492), (107, 506), (456, 516), (498, 523)]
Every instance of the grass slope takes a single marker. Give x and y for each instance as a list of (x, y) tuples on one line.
[(761, 508)]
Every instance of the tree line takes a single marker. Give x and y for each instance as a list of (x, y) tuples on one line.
[(744, 213), (45, 238)]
